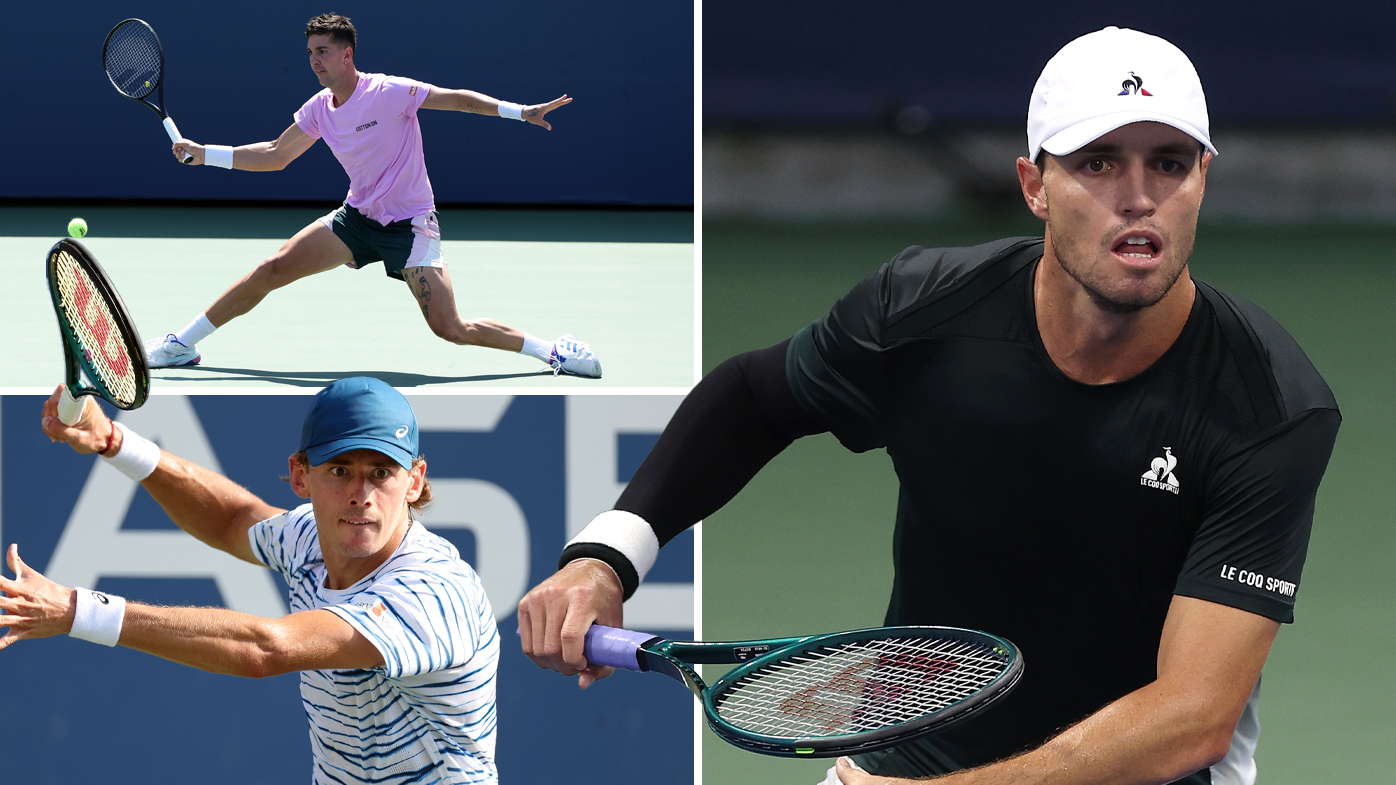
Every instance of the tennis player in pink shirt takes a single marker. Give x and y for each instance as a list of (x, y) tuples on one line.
[(370, 123)]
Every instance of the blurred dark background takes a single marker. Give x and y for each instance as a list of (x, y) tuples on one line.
[(830, 62), (884, 107)]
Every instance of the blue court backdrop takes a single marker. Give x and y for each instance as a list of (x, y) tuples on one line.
[(511, 477), (236, 74)]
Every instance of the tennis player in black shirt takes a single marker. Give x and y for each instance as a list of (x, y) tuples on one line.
[(1102, 459)]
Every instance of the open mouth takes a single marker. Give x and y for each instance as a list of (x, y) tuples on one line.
[(1138, 247)]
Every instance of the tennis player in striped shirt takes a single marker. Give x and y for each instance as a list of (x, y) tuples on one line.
[(395, 641)]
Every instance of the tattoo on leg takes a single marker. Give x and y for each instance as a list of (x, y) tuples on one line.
[(423, 293)]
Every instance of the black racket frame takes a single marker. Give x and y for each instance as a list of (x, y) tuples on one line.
[(158, 87)]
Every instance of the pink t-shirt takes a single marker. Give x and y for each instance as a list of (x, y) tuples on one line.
[(376, 137)]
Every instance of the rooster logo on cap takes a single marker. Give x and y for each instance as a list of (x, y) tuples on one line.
[(1134, 84)]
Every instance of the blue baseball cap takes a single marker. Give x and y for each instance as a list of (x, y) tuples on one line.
[(360, 413)]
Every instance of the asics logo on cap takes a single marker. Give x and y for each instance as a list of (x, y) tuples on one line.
[(401, 432), (1134, 84)]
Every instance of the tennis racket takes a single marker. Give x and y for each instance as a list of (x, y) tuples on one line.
[(826, 695), (99, 339), (135, 64)]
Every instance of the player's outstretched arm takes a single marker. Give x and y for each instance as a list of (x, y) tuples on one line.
[(239, 644), (216, 510), (1210, 657), (734, 421), (211, 639), (479, 103), (259, 157)]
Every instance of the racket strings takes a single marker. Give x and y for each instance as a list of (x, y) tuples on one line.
[(89, 317), (859, 686), (132, 59)]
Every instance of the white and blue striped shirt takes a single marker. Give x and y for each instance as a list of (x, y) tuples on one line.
[(428, 714)]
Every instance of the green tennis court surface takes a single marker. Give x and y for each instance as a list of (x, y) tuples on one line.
[(622, 281), (806, 547)]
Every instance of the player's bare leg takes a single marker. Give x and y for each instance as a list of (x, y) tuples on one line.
[(313, 249), (431, 286)]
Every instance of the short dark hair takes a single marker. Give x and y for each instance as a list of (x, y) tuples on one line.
[(338, 28)]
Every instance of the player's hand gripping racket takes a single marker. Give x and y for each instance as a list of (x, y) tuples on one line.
[(826, 695), (135, 64), (99, 339)]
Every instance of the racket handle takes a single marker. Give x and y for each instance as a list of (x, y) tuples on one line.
[(70, 409), (615, 648), (174, 136)]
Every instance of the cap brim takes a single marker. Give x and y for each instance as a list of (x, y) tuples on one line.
[(1073, 138), (319, 453)]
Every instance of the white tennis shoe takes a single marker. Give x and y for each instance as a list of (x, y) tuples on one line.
[(168, 352), (575, 357)]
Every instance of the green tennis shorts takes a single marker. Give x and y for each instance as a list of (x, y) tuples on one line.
[(411, 242)]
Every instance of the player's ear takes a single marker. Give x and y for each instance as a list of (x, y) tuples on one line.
[(1202, 168), (297, 477), (1030, 180), (419, 479)]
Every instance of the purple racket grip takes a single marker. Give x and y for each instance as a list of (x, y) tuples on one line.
[(615, 648)]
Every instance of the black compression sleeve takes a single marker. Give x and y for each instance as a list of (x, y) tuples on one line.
[(739, 417), (735, 421)]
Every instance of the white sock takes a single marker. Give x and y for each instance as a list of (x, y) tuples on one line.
[(533, 347), (195, 331)]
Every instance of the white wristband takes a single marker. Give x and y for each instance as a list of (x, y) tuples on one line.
[(511, 111), (627, 533), (98, 617), (137, 457), (219, 155)]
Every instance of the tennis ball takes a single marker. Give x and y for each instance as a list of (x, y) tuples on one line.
[(77, 227)]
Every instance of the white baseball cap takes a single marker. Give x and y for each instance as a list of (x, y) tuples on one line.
[(1109, 79)]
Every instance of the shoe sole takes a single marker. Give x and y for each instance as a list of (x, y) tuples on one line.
[(194, 361), (581, 375)]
